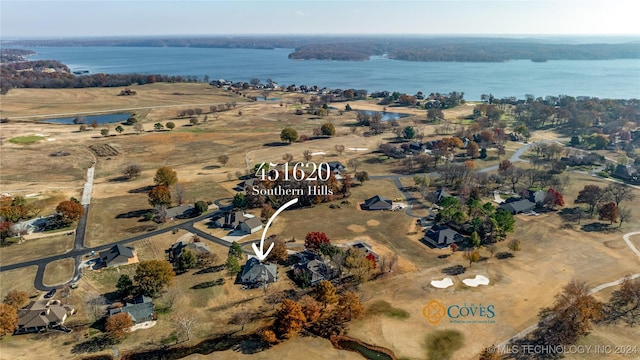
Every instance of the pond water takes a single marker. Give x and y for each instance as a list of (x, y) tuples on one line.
[(261, 98), (89, 119), (364, 351), (386, 116)]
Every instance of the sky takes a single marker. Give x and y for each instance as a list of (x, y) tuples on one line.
[(90, 18)]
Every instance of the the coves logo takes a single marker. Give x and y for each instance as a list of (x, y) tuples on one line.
[(434, 311), (458, 313)]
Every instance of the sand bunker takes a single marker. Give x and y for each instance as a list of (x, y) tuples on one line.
[(478, 280), (358, 149), (357, 228), (442, 284), (318, 153), (373, 223)]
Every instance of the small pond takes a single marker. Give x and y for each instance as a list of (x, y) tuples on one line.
[(386, 116), (364, 351), (261, 98), (89, 119)]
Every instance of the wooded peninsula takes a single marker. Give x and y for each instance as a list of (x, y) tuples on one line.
[(350, 48)]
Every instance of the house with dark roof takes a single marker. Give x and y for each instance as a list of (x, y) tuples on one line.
[(256, 273), (442, 236), (141, 310), (316, 270), (180, 212), (537, 197), (247, 184), (518, 206), (119, 255), (436, 196), (336, 167), (40, 315), (231, 219), (376, 203), (198, 248), (625, 172)]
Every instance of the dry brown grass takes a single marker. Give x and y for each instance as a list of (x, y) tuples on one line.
[(19, 279), (36, 248), (58, 271)]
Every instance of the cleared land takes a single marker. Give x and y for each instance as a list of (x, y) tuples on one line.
[(36, 248), (552, 255), (58, 272)]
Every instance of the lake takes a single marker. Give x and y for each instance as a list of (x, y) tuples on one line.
[(89, 119), (599, 78)]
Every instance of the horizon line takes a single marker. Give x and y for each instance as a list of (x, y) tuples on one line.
[(71, 37)]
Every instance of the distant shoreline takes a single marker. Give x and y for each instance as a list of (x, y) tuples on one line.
[(406, 48)]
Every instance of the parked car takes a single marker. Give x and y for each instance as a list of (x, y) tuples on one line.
[(50, 294)]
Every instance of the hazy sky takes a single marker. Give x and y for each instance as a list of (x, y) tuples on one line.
[(44, 19)]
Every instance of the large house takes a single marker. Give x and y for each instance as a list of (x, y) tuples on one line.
[(40, 315), (141, 310), (180, 212), (316, 268), (256, 273), (119, 255), (625, 172), (517, 206), (177, 248), (442, 236), (240, 221), (377, 203)]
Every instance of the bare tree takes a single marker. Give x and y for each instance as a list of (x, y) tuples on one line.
[(138, 127), (624, 215), (339, 149), (223, 159), (307, 155), (97, 307), (184, 323), (354, 164), (170, 297), (242, 318), (393, 262), (180, 193), (287, 157)]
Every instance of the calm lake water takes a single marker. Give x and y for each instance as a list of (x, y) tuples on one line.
[(89, 119), (605, 79)]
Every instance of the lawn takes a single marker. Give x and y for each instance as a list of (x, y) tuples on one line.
[(58, 271), (36, 248), (26, 140), (18, 279)]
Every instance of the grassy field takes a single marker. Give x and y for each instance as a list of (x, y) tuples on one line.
[(58, 271), (26, 140), (19, 279), (36, 248)]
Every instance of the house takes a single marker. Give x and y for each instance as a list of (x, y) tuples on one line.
[(366, 248), (625, 172), (231, 220), (442, 236), (40, 315), (141, 310), (437, 196), (256, 273), (376, 203), (537, 197), (250, 225), (240, 221), (336, 167), (247, 184), (177, 248), (518, 206), (415, 146), (316, 270), (180, 212), (119, 255)]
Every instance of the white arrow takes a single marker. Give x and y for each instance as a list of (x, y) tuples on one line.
[(259, 252)]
